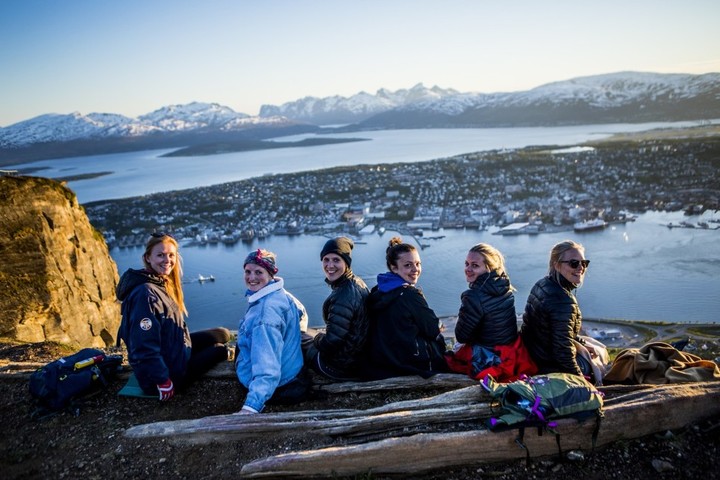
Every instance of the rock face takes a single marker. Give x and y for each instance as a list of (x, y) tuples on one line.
[(57, 279)]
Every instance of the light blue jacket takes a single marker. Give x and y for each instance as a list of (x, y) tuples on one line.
[(269, 343)]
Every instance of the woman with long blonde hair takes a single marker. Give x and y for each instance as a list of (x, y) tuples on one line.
[(487, 308), (163, 353)]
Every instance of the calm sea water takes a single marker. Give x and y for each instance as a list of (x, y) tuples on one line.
[(141, 173), (640, 270)]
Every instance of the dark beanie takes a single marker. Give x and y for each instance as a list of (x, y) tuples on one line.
[(341, 246)]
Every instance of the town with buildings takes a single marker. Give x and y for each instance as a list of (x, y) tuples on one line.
[(525, 191)]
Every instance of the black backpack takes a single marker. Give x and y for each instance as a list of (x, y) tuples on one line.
[(60, 384)]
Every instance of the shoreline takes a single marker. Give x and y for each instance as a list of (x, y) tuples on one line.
[(620, 334), (634, 334)]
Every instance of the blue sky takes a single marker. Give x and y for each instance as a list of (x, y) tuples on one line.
[(134, 56)]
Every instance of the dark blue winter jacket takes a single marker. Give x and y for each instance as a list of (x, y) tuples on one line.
[(154, 330), (403, 333)]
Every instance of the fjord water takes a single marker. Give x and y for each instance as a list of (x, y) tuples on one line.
[(140, 173), (641, 270)]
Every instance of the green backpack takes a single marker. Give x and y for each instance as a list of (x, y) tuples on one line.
[(539, 400)]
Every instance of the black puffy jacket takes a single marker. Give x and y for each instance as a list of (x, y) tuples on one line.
[(404, 335), (346, 322), (552, 320), (487, 312)]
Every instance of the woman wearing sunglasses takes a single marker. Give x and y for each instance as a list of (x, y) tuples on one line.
[(163, 353), (552, 318)]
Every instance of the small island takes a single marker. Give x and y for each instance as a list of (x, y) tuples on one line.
[(217, 148)]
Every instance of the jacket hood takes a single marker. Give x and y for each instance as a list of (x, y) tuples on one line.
[(492, 283), (132, 278), (389, 281), (379, 301)]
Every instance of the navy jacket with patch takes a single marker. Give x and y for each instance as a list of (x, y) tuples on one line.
[(154, 330)]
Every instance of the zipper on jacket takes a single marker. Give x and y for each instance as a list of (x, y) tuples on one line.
[(427, 350)]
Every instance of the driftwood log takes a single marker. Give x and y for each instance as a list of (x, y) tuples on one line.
[(415, 383), (469, 403), (639, 413), (630, 412), (438, 381)]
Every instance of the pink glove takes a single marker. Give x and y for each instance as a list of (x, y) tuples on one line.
[(166, 389)]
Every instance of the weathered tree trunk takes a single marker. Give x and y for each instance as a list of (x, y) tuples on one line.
[(465, 404), (441, 380), (642, 413), (469, 403), (630, 411)]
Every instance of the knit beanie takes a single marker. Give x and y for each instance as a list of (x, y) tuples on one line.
[(341, 246), (262, 258)]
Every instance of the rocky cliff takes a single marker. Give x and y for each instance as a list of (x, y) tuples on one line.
[(57, 279)]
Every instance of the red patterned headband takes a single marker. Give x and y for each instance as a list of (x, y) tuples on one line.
[(263, 259)]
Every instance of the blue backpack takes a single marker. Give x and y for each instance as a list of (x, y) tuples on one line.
[(60, 384)]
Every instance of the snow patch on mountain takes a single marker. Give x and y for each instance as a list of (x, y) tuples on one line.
[(362, 105), (53, 127), (194, 116), (601, 91)]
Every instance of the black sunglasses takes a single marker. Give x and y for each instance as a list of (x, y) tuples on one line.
[(576, 263), (160, 235)]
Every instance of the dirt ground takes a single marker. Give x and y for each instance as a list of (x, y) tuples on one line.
[(93, 446)]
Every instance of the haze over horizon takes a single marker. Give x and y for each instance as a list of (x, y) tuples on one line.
[(133, 57)]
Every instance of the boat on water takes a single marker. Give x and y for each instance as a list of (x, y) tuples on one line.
[(700, 225), (587, 225), (203, 279), (230, 238)]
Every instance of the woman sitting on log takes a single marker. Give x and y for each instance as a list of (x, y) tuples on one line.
[(404, 334), (163, 353), (552, 318), (269, 360), (336, 353), (486, 328)]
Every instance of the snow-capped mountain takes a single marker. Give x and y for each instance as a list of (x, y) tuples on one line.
[(193, 117), (340, 110), (55, 127), (617, 89), (617, 97)]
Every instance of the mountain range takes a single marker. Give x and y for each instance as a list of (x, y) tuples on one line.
[(627, 97)]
